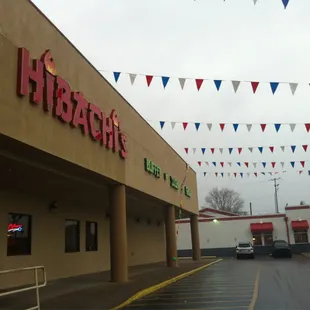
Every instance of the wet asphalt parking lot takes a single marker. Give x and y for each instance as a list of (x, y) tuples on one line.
[(264, 283)]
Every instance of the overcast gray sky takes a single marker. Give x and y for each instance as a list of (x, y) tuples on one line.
[(211, 39)]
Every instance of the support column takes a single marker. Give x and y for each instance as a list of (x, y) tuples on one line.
[(171, 241), (118, 234), (195, 237)]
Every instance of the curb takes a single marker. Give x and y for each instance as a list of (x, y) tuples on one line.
[(156, 287)]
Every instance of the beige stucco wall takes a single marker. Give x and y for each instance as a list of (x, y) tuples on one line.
[(22, 25)]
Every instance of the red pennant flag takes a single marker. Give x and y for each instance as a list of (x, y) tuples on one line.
[(263, 127), (254, 86), (307, 127), (235, 174), (305, 147), (273, 164), (247, 164), (212, 150), (199, 83), (185, 125), (199, 163), (302, 163), (300, 171), (149, 79), (239, 150), (271, 148), (222, 164), (186, 150), (255, 173), (222, 126), (216, 173)]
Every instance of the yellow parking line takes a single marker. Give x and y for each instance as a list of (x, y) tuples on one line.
[(217, 308), (255, 293), (141, 304)]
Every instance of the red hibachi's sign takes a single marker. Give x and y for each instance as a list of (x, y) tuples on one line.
[(56, 96)]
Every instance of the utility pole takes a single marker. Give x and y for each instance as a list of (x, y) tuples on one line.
[(276, 188), (250, 208)]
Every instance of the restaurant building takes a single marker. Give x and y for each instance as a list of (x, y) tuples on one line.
[(86, 185), (221, 231)]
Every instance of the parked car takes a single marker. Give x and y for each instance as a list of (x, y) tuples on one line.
[(244, 249), (281, 248)]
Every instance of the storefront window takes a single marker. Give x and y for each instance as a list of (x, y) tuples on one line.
[(91, 236), (257, 239), (301, 236), (19, 234), (72, 236), (268, 238)]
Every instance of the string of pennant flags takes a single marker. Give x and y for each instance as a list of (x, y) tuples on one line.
[(284, 2), (199, 82), (231, 150), (248, 174), (254, 164), (235, 126)]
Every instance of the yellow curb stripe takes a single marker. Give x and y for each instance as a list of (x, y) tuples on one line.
[(157, 287), (255, 293)]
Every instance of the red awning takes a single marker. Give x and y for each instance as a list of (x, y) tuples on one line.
[(261, 227), (300, 225)]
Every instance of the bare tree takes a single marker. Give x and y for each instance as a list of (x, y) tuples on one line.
[(225, 199)]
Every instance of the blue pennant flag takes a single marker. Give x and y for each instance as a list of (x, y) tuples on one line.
[(263, 173), (204, 173), (197, 125), (214, 164), (285, 3), (203, 149), (222, 174), (230, 150), (241, 174), (264, 164), (218, 84), (274, 86), (162, 124), (116, 76), (293, 147), (277, 127), (239, 164), (309, 172), (236, 127), (260, 148), (165, 80), (293, 163)]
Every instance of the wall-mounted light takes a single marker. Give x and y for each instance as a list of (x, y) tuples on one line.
[(215, 220)]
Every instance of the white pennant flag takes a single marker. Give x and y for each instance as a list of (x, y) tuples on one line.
[(292, 127), (207, 163), (248, 174), (132, 77), (194, 150), (251, 149), (209, 126), (270, 173), (182, 82), (235, 85), (249, 127), (293, 87), (221, 150), (228, 174), (229, 163), (172, 125), (254, 165), (254, 1), (282, 164), (282, 148)]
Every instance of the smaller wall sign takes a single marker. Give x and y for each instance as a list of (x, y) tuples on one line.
[(15, 227), (151, 168)]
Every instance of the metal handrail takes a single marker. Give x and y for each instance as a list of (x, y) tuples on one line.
[(36, 287)]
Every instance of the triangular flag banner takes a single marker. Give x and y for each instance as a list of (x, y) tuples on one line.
[(292, 126), (162, 124), (199, 163), (254, 165), (251, 149), (271, 148), (254, 1), (302, 163), (222, 174), (228, 174), (248, 174), (285, 3), (305, 147), (203, 149), (199, 83), (236, 127), (184, 125), (255, 173), (172, 125), (235, 85), (293, 147), (282, 164), (186, 150), (218, 84), (264, 164), (293, 163), (254, 86), (221, 150), (260, 148), (263, 127), (207, 163), (274, 86), (204, 174), (222, 164), (132, 77), (307, 127), (216, 173), (194, 150), (230, 150), (209, 126), (149, 79), (239, 150), (263, 173), (282, 148), (293, 87), (235, 174), (247, 164), (273, 164), (222, 126), (165, 80), (239, 164), (116, 76), (214, 163), (308, 172), (229, 163), (277, 127), (197, 125), (241, 174), (270, 173), (182, 82), (212, 150), (300, 171), (249, 127)]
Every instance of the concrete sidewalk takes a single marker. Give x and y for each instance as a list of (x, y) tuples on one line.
[(94, 291)]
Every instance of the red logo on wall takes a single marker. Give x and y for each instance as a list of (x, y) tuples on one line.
[(56, 96)]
